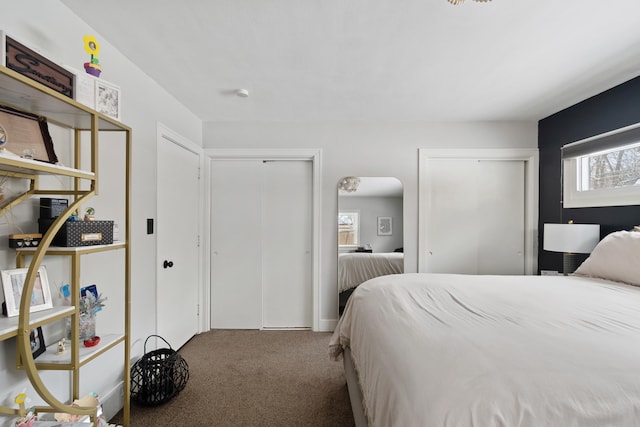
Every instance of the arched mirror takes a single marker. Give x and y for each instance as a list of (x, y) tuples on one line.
[(370, 231)]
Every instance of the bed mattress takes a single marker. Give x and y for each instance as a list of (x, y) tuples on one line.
[(456, 350)]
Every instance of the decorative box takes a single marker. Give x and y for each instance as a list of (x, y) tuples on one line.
[(80, 233), (24, 240)]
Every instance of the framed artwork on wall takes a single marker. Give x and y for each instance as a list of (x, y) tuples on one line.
[(385, 226)]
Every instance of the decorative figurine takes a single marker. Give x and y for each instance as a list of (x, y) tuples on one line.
[(61, 346), (26, 417), (92, 47)]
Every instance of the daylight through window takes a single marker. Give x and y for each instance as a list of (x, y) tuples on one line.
[(615, 168), (603, 170), (348, 228)]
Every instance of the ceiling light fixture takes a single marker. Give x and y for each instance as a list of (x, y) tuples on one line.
[(242, 93), (349, 184), (461, 1)]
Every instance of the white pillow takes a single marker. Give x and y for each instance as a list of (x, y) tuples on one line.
[(616, 258)]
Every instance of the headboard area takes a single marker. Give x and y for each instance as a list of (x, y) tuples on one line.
[(601, 113)]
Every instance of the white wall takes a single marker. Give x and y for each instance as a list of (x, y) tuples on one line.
[(367, 149), (50, 28)]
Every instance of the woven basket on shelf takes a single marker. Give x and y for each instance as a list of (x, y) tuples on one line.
[(158, 376)]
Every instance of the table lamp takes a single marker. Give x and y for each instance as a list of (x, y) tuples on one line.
[(570, 239)]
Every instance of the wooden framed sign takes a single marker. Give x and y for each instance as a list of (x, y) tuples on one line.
[(25, 61), (26, 135)]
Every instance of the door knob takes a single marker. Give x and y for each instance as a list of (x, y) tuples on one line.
[(167, 264)]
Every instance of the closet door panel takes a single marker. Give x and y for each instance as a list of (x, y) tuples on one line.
[(475, 216), (501, 211), (286, 254), (236, 249), (451, 216)]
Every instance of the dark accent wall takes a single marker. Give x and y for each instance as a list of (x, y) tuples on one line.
[(617, 107)]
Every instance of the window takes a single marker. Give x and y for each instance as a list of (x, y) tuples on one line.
[(603, 170), (348, 228)]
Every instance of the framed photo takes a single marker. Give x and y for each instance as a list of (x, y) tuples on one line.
[(26, 135), (385, 226), (107, 98), (12, 284), (36, 339)]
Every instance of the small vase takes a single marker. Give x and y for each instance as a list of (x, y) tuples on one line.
[(87, 327)]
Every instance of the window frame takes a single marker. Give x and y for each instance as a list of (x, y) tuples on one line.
[(356, 214), (571, 154)]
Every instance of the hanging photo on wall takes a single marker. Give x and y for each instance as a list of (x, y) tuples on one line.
[(385, 226), (12, 284)]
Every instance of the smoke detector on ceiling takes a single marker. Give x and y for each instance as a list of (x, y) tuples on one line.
[(242, 93)]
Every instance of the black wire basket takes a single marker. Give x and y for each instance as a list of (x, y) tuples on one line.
[(158, 375)]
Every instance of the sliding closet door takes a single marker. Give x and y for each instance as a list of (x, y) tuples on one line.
[(286, 256), (261, 244), (475, 216), (236, 264)]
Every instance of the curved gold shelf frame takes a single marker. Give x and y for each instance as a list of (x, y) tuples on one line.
[(23, 341)]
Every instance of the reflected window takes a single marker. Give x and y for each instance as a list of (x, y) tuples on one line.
[(348, 228)]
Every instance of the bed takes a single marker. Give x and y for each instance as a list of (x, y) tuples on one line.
[(358, 267), (462, 350)]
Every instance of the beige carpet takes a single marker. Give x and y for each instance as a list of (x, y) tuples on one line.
[(255, 378)]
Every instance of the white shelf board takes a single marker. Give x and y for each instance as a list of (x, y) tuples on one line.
[(18, 164), (9, 325), (50, 356), (118, 244)]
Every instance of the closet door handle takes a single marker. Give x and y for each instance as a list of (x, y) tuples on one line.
[(167, 264)]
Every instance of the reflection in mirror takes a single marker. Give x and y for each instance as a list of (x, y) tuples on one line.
[(370, 231)]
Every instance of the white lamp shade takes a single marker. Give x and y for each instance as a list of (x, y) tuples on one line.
[(572, 238)]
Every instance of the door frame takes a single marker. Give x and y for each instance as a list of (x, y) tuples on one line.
[(528, 155), (165, 132), (312, 155)]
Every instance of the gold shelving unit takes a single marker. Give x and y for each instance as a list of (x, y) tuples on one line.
[(24, 94)]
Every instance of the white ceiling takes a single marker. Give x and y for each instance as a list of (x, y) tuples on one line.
[(374, 60)]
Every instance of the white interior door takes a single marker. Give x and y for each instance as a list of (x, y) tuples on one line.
[(261, 244), (178, 240), (475, 216), (286, 243)]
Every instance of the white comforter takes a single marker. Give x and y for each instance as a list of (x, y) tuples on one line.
[(455, 350), (357, 267)]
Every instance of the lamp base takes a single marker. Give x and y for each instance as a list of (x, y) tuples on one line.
[(570, 263)]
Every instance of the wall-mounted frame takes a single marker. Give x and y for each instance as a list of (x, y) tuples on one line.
[(385, 226), (107, 98), (36, 339), (26, 135), (12, 284)]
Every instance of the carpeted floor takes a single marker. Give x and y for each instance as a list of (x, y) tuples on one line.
[(255, 378)]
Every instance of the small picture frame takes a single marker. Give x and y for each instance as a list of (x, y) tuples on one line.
[(108, 99), (385, 226), (36, 339), (12, 284)]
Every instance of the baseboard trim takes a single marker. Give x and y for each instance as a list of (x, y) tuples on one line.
[(113, 401), (327, 325)]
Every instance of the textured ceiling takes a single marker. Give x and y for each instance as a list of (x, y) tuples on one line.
[(375, 60)]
